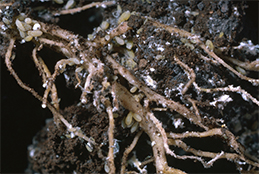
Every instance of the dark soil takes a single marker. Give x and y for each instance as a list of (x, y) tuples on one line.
[(54, 151)]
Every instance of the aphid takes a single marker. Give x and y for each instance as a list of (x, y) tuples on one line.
[(19, 25), (129, 44), (123, 124), (22, 16), (139, 30), (35, 33), (107, 37), (66, 52), (6, 21), (128, 119), (221, 34), (69, 4), (104, 25), (119, 10), (106, 168), (133, 89), (22, 34), (124, 16), (59, 1), (130, 125), (137, 117), (79, 69), (26, 26), (28, 20), (73, 61), (28, 38), (209, 44), (119, 40), (134, 127), (130, 54)]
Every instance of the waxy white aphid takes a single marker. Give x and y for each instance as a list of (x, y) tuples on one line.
[(79, 69), (133, 121), (21, 17), (73, 61), (69, 4), (133, 89), (119, 40), (139, 30), (104, 25), (22, 34), (128, 119), (19, 25), (26, 26), (34, 33), (134, 127), (107, 37), (124, 16), (119, 10), (129, 44), (209, 44), (130, 54), (66, 52), (28, 20), (137, 117), (106, 168), (59, 1), (28, 38), (123, 124), (6, 21)]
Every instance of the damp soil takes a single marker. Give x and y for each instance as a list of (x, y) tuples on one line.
[(54, 151)]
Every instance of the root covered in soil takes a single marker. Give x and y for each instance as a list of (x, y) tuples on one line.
[(141, 73)]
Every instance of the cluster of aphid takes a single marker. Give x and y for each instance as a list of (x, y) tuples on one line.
[(27, 27), (132, 119)]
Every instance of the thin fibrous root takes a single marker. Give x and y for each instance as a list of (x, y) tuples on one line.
[(44, 71), (85, 7), (224, 133), (110, 157), (128, 150), (230, 88), (213, 155), (189, 71)]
